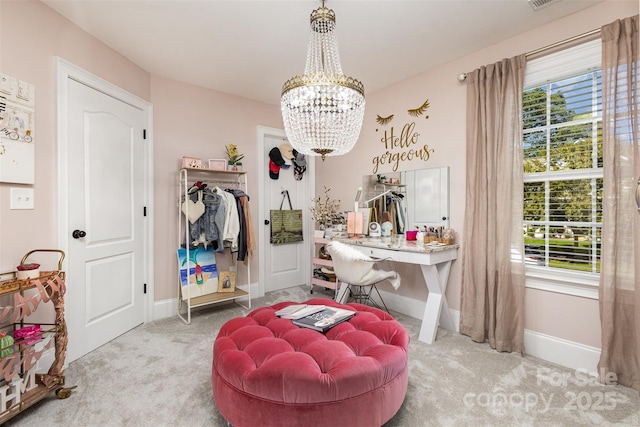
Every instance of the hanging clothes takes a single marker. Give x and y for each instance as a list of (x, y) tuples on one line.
[(246, 242), (210, 226), (231, 227)]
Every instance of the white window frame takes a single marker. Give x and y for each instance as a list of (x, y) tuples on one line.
[(570, 62)]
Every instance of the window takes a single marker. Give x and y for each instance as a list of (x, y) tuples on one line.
[(563, 177)]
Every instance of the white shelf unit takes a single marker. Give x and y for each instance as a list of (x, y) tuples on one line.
[(213, 178), (317, 261)]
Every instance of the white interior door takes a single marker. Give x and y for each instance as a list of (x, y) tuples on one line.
[(283, 265), (105, 296)]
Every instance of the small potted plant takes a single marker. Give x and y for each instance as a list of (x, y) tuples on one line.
[(324, 210), (235, 158), (28, 271)]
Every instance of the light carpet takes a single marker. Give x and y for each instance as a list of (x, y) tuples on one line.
[(159, 374)]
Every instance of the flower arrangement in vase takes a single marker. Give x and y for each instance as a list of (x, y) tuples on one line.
[(235, 158), (324, 211)]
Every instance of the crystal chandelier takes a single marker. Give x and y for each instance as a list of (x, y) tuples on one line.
[(323, 109)]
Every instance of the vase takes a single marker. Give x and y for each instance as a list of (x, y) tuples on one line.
[(328, 233), (234, 168)]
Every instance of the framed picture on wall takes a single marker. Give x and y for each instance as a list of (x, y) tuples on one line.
[(218, 164), (227, 281)]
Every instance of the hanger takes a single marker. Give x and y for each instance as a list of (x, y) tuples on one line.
[(199, 185)]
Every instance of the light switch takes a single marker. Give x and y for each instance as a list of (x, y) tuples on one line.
[(21, 198)]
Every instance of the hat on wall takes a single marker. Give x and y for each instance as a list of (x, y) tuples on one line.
[(298, 158), (286, 150), (275, 163), (299, 165), (276, 157), (274, 170)]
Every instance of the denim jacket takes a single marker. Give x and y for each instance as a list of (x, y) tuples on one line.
[(211, 223)]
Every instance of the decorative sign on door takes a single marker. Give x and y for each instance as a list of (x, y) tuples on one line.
[(17, 150)]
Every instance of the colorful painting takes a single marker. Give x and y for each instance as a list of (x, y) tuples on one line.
[(203, 273)]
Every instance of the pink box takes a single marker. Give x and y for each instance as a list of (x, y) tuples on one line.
[(28, 334), (411, 234)]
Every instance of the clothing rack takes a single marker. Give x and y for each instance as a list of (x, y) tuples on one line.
[(366, 204), (188, 177)]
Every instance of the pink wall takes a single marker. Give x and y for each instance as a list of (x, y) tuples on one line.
[(31, 36), (572, 318), (191, 121)]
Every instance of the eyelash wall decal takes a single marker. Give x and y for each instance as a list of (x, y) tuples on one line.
[(384, 120), (420, 110)]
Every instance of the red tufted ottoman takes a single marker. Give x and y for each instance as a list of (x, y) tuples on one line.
[(268, 372)]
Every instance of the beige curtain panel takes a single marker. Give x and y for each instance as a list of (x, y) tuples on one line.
[(493, 250), (620, 261)]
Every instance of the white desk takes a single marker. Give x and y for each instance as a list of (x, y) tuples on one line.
[(435, 263)]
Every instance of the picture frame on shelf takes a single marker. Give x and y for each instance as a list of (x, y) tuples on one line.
[(191, 162), (227, 281), (218, 164)]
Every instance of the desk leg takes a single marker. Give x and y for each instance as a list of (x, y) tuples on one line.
[(436, 277)]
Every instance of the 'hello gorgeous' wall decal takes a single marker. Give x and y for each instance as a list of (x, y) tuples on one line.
[(403, 147)]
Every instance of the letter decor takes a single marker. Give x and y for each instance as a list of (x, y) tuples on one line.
[(23, 307), (405, 146)]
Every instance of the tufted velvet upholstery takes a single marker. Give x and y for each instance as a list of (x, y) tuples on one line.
[(268, 372)]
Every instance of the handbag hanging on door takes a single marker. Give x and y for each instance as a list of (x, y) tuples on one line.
[(286, 225)]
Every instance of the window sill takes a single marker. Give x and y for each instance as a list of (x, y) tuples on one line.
[(576, 284)]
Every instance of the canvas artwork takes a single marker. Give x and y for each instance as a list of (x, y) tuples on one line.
[(203, 273), (17, 150)]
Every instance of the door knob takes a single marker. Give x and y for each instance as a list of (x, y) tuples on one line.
[(77, 234), (266, 222)]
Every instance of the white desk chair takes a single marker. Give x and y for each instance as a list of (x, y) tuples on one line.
[(358, 271)]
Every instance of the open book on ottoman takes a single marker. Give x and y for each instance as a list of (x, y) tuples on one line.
[(298, 311), (325, 319)]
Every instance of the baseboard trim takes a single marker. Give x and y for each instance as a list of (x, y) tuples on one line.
[(408, 306), (169, 307), (556, 350), (552, 349)]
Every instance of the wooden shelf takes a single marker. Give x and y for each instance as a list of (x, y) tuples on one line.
[(217, 297), (214, 171), (322, 261), (317, 261), (323, 283)]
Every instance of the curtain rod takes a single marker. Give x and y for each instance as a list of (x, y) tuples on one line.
[(463, 76)]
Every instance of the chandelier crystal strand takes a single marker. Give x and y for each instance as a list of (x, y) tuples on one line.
[(323, 109)]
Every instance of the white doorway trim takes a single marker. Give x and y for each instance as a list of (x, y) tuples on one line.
[(66, 71), (263, 236)]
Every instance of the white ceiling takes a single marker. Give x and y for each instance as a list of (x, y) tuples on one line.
[(250, 48)]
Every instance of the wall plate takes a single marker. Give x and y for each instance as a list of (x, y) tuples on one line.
[(21, 198)]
